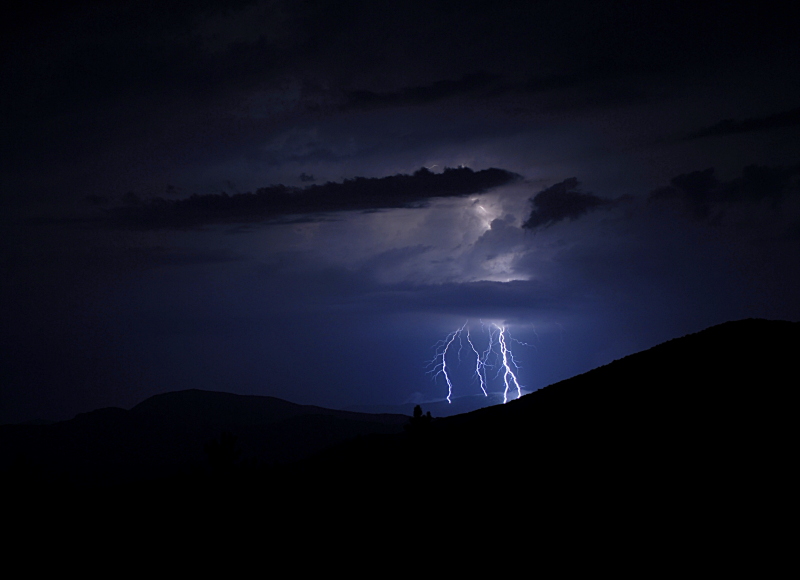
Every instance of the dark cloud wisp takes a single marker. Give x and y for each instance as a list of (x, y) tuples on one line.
[(562, 201), (731, 126), (276, 201), (704, 195), (420, 95)]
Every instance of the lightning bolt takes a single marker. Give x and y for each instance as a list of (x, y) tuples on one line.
[(479, 366), (439, 361), (507, 355), (497, 349)]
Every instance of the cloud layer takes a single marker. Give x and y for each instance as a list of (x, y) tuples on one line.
[(563, 201), (731, 126), (705, 196), (268, 203)]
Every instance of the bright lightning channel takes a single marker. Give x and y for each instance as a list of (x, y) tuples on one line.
[(440, 367), (498, 349), (506, 356), (479, 364)]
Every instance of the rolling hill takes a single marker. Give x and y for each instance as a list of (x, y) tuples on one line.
[(699, 429)]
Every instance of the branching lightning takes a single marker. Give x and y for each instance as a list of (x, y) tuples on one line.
[(497, 351), (507, 355), (440, 360), (479, 366)]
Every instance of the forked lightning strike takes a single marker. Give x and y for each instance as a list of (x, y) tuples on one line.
[(440, 368), (498, 351), (507, 355), (479, 366)]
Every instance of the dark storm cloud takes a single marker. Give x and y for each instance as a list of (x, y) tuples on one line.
[(478, 85), (275, 201), (732, 127), (562, 201), (148, 91), (105, 80), (420, 95), (705, 196), (547, 82)]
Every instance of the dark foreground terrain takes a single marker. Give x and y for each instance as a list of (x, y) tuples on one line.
[(688, 446)]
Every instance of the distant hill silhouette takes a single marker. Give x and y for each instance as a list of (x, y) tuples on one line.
[(691, 438), (166, 435)]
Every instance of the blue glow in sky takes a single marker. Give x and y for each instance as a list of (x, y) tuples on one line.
[(645, 186)]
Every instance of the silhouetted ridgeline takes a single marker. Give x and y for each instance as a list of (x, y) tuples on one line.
[(710, 406), (166, 436), (699, 430)]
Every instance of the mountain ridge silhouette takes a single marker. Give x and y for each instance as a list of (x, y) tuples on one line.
[(702, 426), (165, 435)]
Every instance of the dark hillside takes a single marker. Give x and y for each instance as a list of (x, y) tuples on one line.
[(711, 413), (698, 432)]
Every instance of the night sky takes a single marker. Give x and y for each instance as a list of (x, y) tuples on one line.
[(299, 199)]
